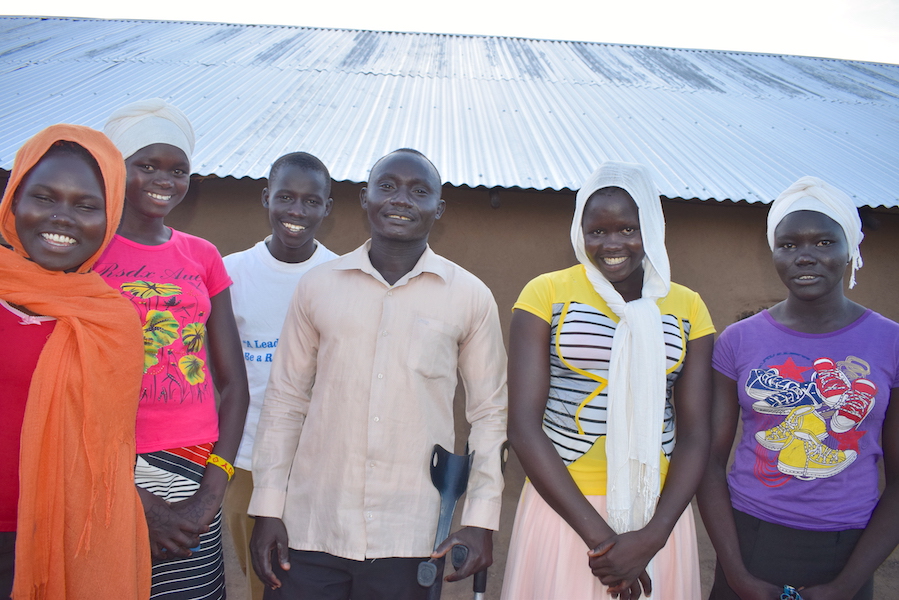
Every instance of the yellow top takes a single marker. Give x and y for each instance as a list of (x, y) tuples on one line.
[(589, 471), (582, 327)]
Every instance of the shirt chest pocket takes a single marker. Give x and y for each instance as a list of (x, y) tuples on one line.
[(433, 348)]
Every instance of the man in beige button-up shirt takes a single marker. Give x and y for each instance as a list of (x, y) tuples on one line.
[(361, 389)]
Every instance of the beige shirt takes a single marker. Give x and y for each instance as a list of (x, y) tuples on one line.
[(361, 389)]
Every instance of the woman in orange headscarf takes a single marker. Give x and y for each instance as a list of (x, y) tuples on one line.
[(72, 359)]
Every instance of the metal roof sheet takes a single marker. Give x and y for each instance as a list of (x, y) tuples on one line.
[(489, 111)]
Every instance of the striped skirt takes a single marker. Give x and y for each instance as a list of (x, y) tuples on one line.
[(548, 560), (175, 475)]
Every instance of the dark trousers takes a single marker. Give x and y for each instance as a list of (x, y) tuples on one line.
[(786, 556), (7, 562), (322, 576)]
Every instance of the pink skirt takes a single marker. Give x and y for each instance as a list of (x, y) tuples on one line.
[(548, 561)]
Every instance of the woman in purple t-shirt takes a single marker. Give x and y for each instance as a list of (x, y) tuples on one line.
[(812, 379)]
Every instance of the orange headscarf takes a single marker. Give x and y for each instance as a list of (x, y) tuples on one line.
[(81, 532)]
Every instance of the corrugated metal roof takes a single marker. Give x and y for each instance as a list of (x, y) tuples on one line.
[(489, 111)]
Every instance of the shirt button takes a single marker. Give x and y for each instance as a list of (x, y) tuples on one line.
[(390, 293), (376, 419), (372, 465), (384, 334), (369, 515), (380, 375)]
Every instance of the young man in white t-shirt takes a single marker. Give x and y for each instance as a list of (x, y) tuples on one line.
[(265, 276)]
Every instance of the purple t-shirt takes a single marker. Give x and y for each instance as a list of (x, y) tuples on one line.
[(812, 407)]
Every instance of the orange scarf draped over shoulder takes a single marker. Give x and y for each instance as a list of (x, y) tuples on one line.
[(81, 532)]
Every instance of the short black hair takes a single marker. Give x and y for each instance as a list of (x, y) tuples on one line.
[(301, 160), (416, 153)]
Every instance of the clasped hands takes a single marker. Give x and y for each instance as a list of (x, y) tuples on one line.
[(620, 563), (175, 527)]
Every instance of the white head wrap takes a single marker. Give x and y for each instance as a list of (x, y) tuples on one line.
[(637, 378), (811, 193), (146, 122)]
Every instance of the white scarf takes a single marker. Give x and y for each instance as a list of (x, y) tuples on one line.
[(146, 122), (637, 379), (811, 193)]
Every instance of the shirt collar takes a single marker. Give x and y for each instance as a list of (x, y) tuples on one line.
[(358, 259)]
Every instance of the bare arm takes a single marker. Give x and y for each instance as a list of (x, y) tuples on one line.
[(882, 533), (714, 495), (692, 402), (529, 341), (692, 398), (230, 377)]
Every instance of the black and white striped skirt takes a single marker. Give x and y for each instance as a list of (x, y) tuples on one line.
[(175, 475)]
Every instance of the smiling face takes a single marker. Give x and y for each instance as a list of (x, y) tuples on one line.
[(60, 211), (158, 178), (811, 255), (402, 198), (612, 239), (297, 201)]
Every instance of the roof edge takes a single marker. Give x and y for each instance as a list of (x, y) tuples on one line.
[(464, 35)]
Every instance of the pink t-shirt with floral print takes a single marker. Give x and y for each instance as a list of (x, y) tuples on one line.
[(170, 285)]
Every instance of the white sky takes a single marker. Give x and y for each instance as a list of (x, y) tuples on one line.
[(850, 29)]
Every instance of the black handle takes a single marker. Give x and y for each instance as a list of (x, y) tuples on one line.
[(460, 553), (480, 582), (437, 586)]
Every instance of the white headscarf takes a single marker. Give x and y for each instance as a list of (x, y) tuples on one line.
[(637, 378), (146, 122), (811, 193)]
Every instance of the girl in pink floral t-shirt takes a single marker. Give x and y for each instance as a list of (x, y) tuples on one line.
[(179, 286)]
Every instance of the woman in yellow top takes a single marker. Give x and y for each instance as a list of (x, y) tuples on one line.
[(601, 357)]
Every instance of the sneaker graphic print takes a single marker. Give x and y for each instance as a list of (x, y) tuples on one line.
[(814, 410)]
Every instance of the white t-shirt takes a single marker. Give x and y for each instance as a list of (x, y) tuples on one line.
[(263, 287)]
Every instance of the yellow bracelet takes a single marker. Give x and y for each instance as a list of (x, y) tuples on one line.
[(215, 459)]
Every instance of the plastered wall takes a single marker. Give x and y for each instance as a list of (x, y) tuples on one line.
[(717, 249)]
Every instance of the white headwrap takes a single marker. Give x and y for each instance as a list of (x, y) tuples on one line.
[(637, 378), (811, 193), (146, 122)]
